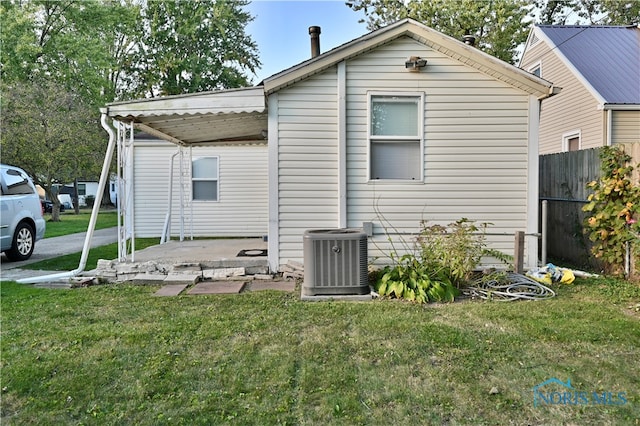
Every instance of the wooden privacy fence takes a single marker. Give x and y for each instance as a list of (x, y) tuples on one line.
[(563, 183)]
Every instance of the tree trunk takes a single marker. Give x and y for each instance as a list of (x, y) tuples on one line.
[(76, 198)]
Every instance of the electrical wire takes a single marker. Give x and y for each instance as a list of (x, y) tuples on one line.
[(514, 287)]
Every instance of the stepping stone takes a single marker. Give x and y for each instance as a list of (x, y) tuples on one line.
[(171, 290), (273, 285), (218, 287)]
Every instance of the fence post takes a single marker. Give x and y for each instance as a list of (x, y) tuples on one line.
[(545, 206), (518, 258)]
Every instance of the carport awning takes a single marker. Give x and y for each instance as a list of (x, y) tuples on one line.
[(200, 118)]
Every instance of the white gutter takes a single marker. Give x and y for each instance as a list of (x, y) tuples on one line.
[(104, 177)]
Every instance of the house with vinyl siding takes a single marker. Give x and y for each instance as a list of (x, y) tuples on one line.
[(236, 205), (598, 69), (402, 125)]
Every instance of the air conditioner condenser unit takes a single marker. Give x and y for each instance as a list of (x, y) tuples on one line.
[(335, 262)]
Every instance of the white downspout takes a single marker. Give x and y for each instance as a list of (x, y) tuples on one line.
[(166, 234), (104, 177)]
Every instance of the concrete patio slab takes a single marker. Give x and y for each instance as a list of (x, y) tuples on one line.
[(218, 287), (149, 279), (171, 290), (182, 278)]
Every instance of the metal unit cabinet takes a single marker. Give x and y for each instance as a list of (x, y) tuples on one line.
[(335, 262)]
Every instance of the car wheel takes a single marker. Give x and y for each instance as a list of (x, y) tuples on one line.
[(23, 244)]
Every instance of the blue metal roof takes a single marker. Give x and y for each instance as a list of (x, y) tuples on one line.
[(608, 57)]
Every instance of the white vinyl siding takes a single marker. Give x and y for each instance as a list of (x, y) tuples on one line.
[(625, 127), (573, 108), (242, 207), (475, 149), (475, 152), (307, 161)]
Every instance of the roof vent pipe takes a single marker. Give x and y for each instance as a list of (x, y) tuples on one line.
[(314, 32), (469, 40)]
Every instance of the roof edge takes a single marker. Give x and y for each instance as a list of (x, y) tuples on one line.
[(475, 57)]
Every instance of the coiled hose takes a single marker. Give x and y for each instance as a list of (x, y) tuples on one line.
[(512, 287)]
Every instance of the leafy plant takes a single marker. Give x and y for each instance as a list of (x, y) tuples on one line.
[(443, 261), (613, 225), (413, 280), (458, 247)]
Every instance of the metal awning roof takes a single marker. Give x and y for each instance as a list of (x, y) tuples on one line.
[(199, 118)]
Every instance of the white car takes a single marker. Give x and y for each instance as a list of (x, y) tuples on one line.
[(21, 221)]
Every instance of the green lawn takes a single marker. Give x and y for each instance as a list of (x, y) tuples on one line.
[(70, 223), (116, 354), (70, 261)]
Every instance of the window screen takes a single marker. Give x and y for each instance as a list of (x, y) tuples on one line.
[(395, 139)]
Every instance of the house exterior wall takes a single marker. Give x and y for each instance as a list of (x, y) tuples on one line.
[(574, 109), (241, 209), (307, 161), (625, 127), (476, 152)]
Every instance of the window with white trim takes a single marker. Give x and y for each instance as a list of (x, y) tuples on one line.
[(572, 141), (395, 136), (204, 178), (536, 69)]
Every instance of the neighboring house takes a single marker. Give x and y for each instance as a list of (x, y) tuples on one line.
[(85, 188), (598, 69), (401, 125)]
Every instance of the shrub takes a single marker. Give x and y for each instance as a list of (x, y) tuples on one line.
[(613, 224), (444, 259)]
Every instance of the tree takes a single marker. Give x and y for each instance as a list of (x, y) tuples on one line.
[(589, 12), (51, 133), (499, 26), (188, 46), (60, 60)]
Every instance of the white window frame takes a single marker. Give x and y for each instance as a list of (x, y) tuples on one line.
[(215, 179), (419, 138), (535, 65), (571, 135)]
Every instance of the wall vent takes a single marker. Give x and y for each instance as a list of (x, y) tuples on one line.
[(335, 262)]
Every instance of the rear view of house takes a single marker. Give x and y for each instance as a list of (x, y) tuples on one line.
[(598, 68), (401, 125)]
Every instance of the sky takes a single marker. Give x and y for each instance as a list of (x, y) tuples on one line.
[(281, 30)]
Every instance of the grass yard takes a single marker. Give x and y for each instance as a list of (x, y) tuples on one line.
[(69, 262), (116, 354), (70, 223)]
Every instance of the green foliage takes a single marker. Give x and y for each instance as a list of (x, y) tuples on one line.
[(413, 280), (601, 12), (499, 26), (188, 47), (444, 260), (50, 132), (613, 225), (457, 248)]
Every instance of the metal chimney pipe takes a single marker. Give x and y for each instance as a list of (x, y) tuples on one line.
[(314, 32), (469, 40)]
